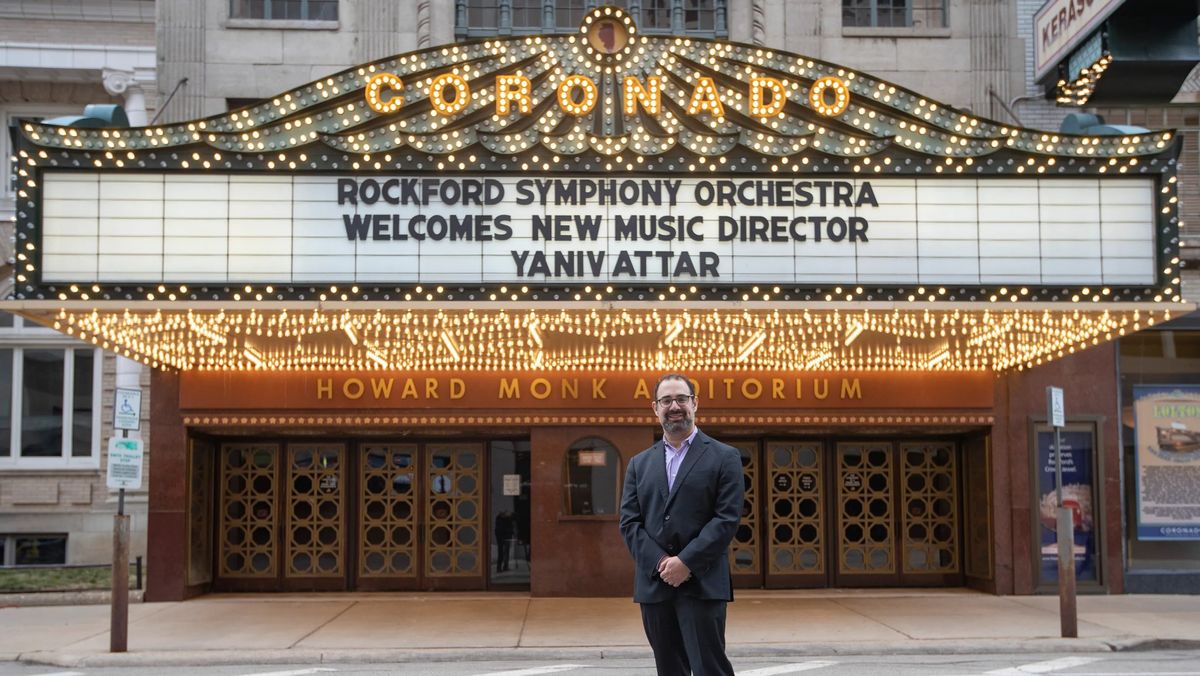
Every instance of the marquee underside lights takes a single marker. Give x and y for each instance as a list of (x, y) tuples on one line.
[(936, 337)]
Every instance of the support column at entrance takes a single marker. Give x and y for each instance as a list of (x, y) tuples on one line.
[(167, 525)]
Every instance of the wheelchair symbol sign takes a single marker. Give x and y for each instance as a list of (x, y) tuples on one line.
[(127, 409)]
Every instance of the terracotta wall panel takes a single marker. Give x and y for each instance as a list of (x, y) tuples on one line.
[(574, 556), (1089, 381), (167, 530)]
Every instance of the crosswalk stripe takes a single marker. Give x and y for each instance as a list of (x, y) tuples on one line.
[(62, 673), (1044, 667), (788, 668), (294, 672), (534, 671)]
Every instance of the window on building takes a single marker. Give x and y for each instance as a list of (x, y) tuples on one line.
[(239, 103), (284, 10), (49, 386), (590, 478), (894, 13), (485, 18), (527, 14), (33, 550)]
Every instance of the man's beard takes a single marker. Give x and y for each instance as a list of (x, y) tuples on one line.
[(677, 425)]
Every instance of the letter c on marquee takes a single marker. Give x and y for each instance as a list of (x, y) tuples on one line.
[(375, 87)]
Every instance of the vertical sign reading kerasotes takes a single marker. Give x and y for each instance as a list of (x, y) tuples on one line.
[(195, 229), (1078, 448), (1167, 453)]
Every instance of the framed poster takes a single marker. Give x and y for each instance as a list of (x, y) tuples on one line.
[(1081, 480), (1167, 460)]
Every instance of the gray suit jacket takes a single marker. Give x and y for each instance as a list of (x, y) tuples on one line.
[(695, 521)]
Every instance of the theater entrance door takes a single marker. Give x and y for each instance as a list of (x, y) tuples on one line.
[(338, 515), (849, 513)]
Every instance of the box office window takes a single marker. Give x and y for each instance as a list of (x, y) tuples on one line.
[(590, 478)]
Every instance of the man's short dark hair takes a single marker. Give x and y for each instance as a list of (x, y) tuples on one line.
[(675, 376)]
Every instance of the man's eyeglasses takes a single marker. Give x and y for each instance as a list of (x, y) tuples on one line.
[(681, 399)]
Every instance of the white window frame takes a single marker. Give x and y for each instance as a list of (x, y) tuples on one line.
[(22, 336)]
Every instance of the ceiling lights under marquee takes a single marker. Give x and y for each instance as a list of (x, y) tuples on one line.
[(525, 336), (607, 101)]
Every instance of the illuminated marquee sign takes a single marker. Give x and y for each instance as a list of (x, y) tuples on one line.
[(635, 163), (187, 229), (1061, 25)]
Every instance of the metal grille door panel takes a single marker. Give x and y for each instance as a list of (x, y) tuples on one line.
[(866, 541), (315, 520), (248, 514), (454, 511), (930, 516), (388, 511), (796, 513), (744, 552)]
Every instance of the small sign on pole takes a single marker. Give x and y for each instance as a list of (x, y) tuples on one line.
[(1054, 398), (125, 463), (124, 471), (1065, 527), (127, 409)]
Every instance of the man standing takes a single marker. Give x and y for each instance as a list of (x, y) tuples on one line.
[(679, 511)]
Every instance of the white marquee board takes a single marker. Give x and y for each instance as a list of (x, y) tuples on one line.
[(110, 227)]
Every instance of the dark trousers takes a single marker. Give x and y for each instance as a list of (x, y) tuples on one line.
[(688, 636)]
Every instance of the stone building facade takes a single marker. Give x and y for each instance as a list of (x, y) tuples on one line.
[(55, 58)]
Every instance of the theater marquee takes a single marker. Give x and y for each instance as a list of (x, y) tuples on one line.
[(166, 228), (603, 200)]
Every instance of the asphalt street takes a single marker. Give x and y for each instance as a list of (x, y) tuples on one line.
[(1151, 663)]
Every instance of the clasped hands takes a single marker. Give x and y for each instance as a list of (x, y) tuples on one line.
[(673, 571)]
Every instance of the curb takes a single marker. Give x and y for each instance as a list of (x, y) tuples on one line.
[(95, 597), (177, 658)]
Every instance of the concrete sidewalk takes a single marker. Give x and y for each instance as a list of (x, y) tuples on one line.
[(316, 628)]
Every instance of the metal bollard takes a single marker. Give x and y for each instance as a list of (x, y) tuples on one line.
[(138, 565)]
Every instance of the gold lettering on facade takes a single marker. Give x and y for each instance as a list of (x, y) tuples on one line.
[(569, 388), (752, 388), (410, 389), (382, 389), (540, 388), (510, 388), (643, 390), (598, 388), (324, 388), (777, 388), (851, 389), (820, 388), (728, 387), (458, 388), (353, 388), (799, 390), (431, 388)]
